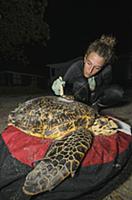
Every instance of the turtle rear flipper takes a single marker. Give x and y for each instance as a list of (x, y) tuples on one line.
[(62, 160)]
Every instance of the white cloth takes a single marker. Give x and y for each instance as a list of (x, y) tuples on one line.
[(122, 126)]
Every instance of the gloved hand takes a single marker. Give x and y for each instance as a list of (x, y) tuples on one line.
[(58, 85), (92, 83)]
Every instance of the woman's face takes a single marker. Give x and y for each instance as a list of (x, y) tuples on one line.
[(93, 63)]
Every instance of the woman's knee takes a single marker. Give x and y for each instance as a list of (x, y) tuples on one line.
[(112, 95), (115, 91)]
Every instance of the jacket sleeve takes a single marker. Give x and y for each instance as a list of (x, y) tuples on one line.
[(76, 84), (103, 80), (71, 76), (107, 76)]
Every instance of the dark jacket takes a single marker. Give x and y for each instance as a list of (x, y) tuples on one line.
[(77, 84)]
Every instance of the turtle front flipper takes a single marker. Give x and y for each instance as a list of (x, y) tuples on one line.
[(61, 161)]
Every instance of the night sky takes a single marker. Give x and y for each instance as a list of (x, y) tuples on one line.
[(74, 24)]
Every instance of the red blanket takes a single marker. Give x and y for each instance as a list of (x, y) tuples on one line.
[(28, 149)]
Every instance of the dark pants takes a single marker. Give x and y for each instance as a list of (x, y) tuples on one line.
[(113, 95)]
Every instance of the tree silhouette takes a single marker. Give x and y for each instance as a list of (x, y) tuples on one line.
[(21, 23)]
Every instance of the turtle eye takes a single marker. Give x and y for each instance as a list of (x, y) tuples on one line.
[(102, 122)]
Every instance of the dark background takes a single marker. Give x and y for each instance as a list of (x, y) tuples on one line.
[(74, 24)]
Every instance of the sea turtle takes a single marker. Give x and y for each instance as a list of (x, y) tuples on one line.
[(68, 123)]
